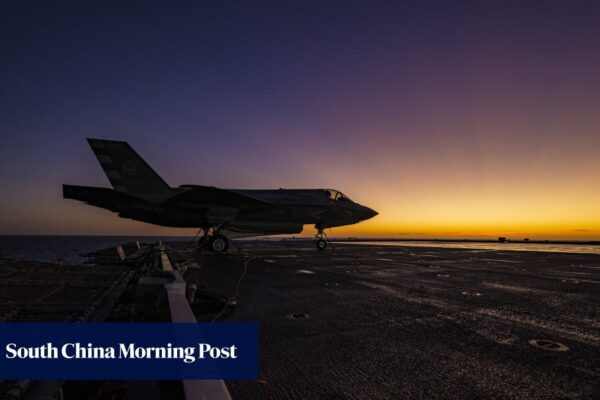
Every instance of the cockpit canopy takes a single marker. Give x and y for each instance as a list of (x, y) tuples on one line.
[(337, 195)]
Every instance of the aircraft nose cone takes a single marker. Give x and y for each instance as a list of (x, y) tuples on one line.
[(370, 213)]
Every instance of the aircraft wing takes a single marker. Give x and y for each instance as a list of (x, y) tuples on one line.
[(207, 197)]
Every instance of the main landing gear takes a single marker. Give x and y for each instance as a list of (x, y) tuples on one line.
[(213, 241), (218, 243)]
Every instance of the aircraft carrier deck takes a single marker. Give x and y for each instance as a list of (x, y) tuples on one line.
[(379, 322)]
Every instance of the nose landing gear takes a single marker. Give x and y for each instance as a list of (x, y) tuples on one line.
[(322, 240), (321, 244)]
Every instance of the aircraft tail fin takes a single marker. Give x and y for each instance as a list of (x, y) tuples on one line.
[(126, 170)]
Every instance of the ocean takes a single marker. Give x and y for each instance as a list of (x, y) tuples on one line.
[(65, 249), (68, 249), (545, 247)]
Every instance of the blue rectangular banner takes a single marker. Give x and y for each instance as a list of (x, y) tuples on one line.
[(157, 351)]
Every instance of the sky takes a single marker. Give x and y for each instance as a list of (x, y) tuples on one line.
[(451, 119)]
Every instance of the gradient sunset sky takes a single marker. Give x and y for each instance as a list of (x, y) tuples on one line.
[(451, 119)]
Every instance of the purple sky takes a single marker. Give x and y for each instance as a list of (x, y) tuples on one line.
[(449, 118)]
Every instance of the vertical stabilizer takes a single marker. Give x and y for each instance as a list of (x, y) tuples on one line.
[(126, 170)]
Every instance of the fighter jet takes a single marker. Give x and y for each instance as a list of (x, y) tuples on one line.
[(141, 194)]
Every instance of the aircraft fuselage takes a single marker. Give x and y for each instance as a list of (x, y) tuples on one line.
[(139, 193)]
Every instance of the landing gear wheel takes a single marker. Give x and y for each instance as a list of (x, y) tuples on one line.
[(321, 244), (218, 243)]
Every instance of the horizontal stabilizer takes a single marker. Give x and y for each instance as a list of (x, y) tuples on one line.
[(99, 197)]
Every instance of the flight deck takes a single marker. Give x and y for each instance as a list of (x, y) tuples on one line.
[(349, 322), (365, 322)]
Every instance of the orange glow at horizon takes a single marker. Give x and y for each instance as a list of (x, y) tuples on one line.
[(450, 121), (460, 201)]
